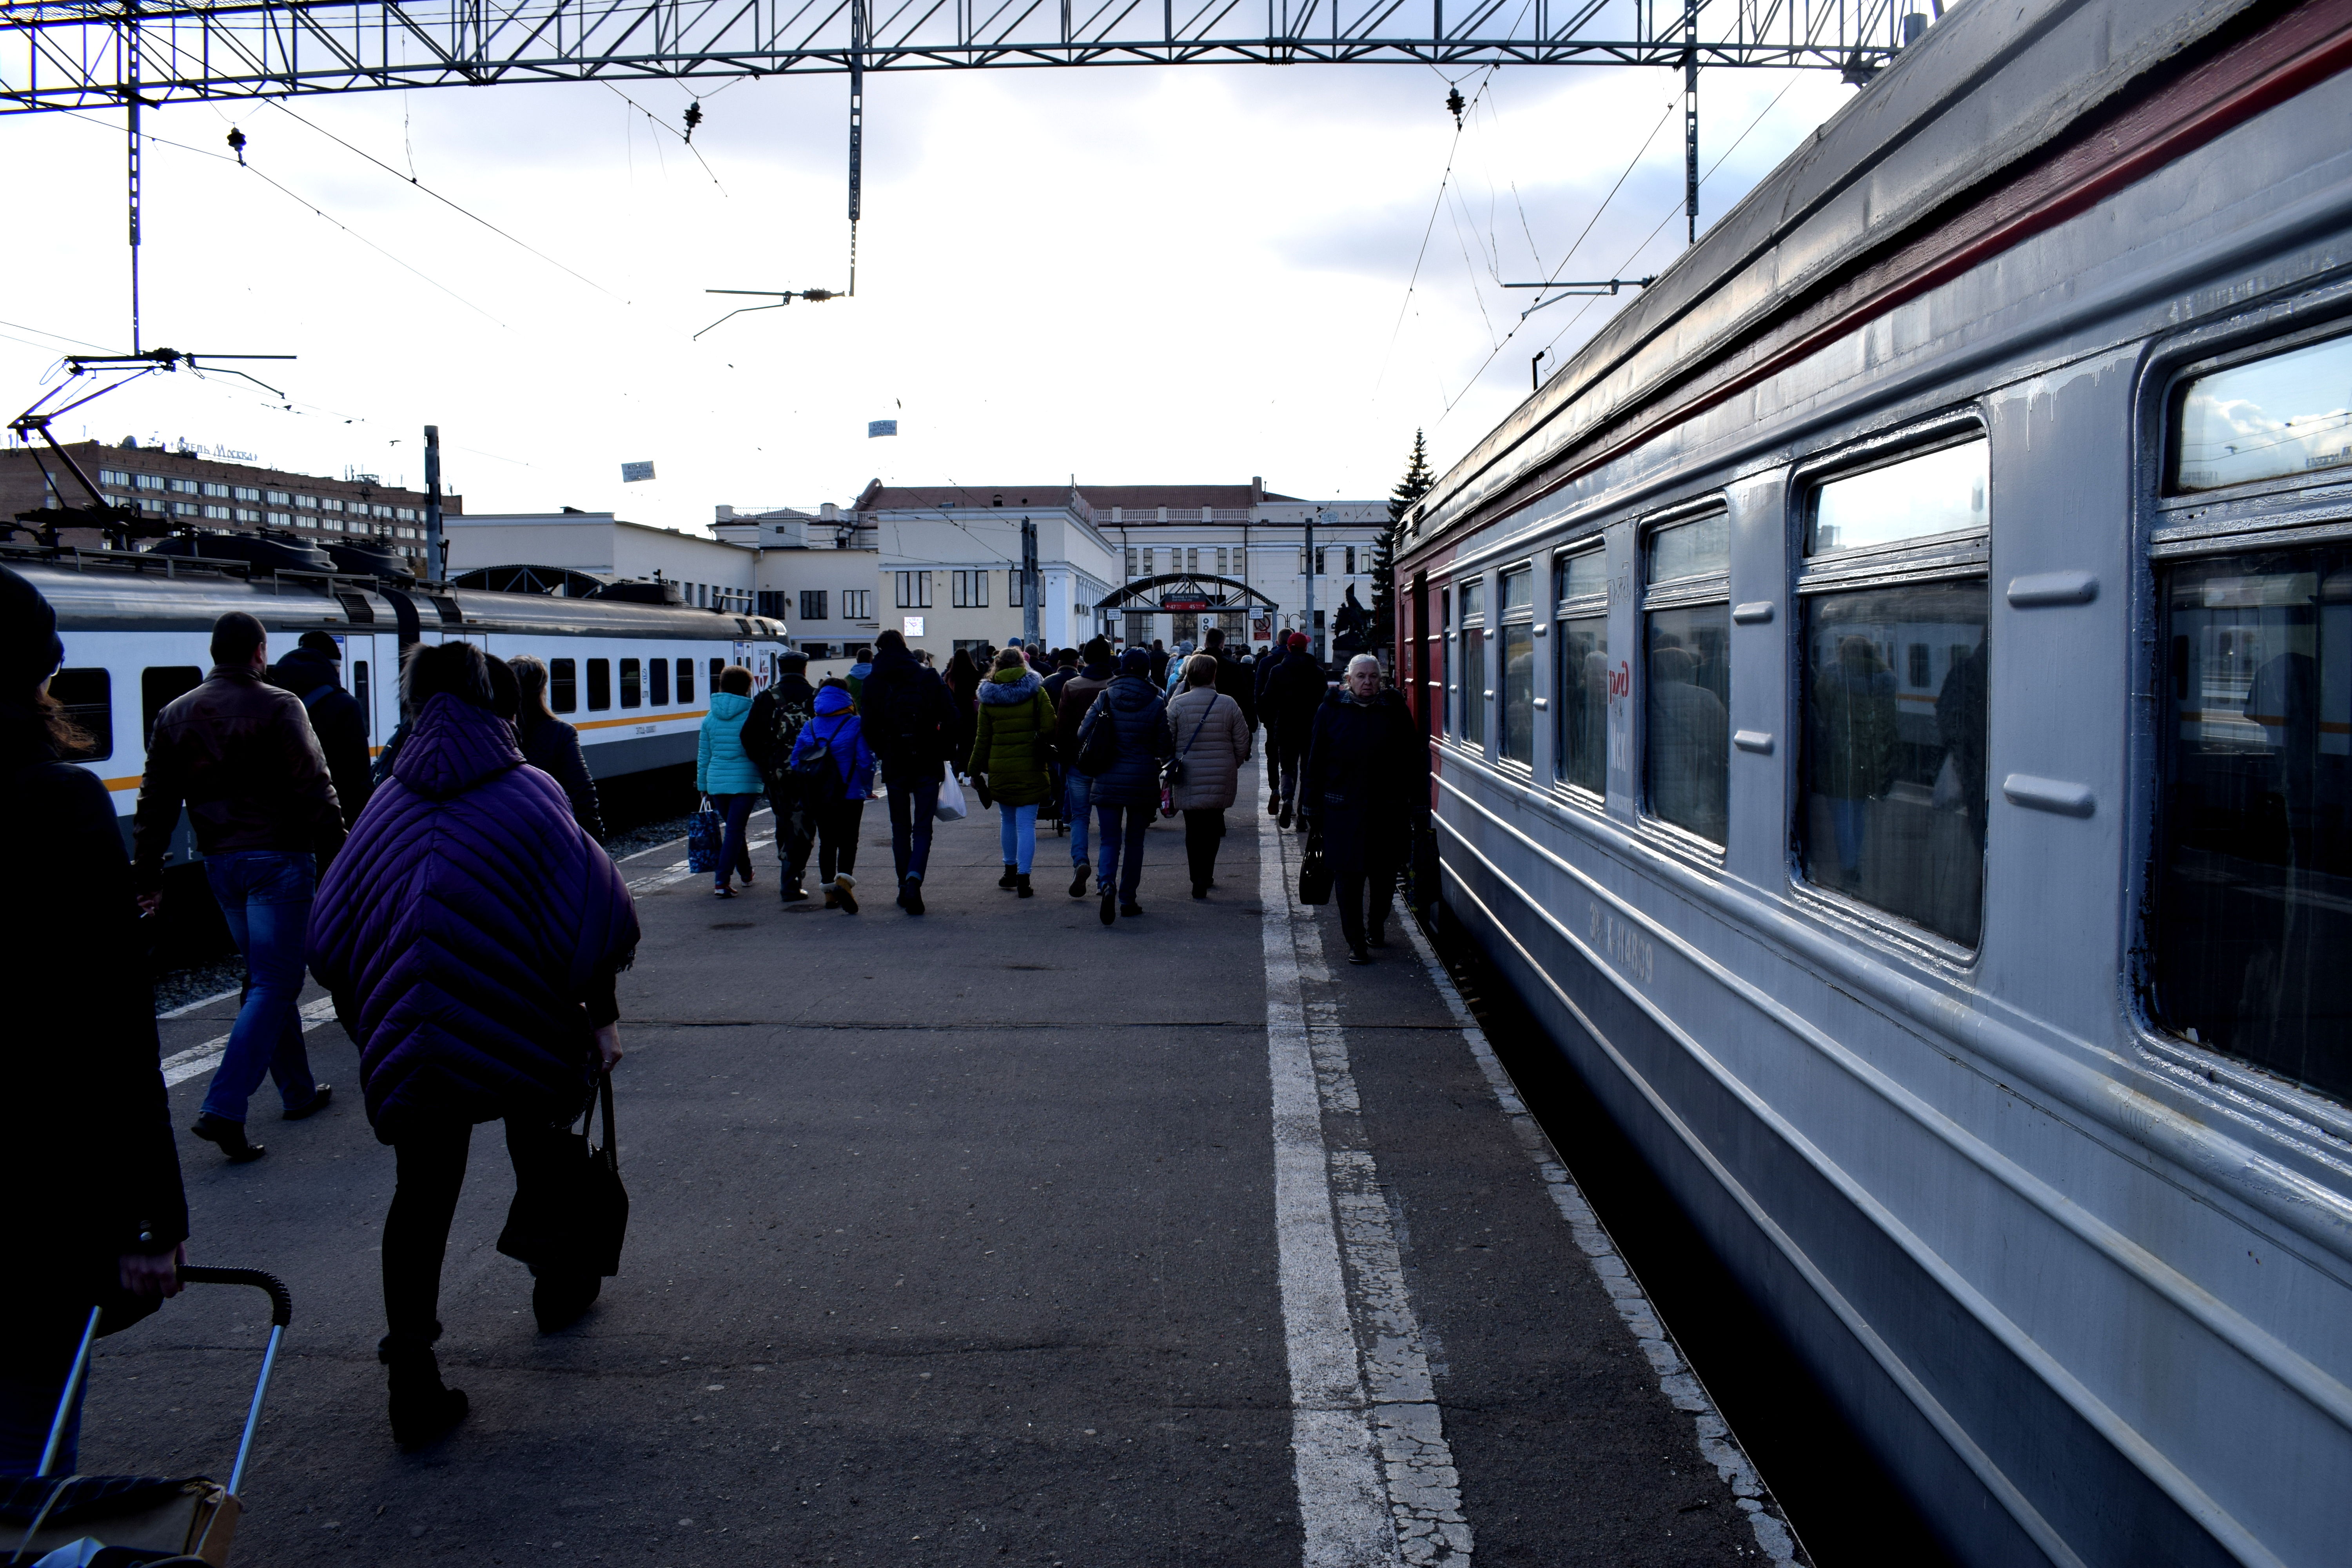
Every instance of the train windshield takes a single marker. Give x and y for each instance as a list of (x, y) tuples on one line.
[(2254, 895)]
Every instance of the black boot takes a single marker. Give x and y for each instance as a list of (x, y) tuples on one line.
[(910, 895), (1021, 885), (1109, 907), (422, 1409), (230, 1136), (1006, 880), (560, 1301), (1079, 880)]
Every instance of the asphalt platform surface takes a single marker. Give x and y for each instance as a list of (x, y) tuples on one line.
[(958, 1240)]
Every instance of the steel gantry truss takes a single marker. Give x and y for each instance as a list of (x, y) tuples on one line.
[(91, 54)]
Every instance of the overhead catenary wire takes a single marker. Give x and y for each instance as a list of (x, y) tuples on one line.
[(1444, 180), (690, 147)]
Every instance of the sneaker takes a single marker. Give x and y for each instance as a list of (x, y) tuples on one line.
[(230, 1136), (1200, 889), (1282, 817), (1078, 881), (1109, 907), (1130, 910), (842, 889), (792, 893), (312, 1106), (1357, 955), (910, 895)]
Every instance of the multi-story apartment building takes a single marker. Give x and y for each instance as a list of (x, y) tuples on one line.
[(182, 488)]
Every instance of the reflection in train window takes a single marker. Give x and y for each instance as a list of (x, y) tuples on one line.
[(600, 683), (686, 681), (1516, 644), (2253, 884), (717, 665), (1893, 805), (564, 684), (362, 693), (657, 675), (1928, 495), (633, 692), (158, 687), (2286, 415), (1686, 677), (1580, 670), (1472, 663), (87, 698)]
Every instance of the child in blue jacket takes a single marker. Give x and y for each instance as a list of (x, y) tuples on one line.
[(835, 768)]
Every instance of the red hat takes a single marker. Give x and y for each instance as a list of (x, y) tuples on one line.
[(1299, 639)]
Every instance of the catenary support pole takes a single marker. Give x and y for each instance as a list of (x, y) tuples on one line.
[(1313, 643), (860, 25), (437, 566), (129, 36), (1690, 116), (1029, 614)]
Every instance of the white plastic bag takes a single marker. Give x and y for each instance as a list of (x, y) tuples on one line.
[(952, 806)]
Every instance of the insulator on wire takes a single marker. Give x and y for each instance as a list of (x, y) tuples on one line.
[(236, 144), (693, 119), (1455, 105)]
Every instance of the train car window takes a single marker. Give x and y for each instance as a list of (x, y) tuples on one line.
[(1894, 679), (718, 667), (1472, 663), (87, 698), (564, 684), (1581, 673), (1515, 647), (633, 690), (657, 673), (159, 686), (2254, 879), (363, 693), (1686, 684), (2285, 414), (600, 684), (686, 681)]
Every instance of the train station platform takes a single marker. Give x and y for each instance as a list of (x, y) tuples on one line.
[(994, 1235)]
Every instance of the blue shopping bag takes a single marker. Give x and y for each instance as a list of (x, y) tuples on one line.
[(704, 838)]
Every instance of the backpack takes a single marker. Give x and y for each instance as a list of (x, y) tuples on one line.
[(1098, 738), (818, 772), (786, 728)]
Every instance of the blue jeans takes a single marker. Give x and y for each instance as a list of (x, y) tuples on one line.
[(911, 840), (1017, 829), (265, 895), (1123, 847), (1850, 820), (734, 855), (1078, 806)]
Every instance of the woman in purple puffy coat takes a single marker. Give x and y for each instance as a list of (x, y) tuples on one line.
[(470, 934)]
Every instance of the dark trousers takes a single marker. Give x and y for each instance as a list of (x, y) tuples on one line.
[(795, 833), (836, 838), (1365, 856), (1122, 828), (735, 854), (431, 1170), (32, 1380), (1203, 830), (914, 810), (1289, 751)]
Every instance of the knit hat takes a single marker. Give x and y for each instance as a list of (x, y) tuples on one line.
[(1135, 661), (1299, 642), (323, 644), (29, 649)]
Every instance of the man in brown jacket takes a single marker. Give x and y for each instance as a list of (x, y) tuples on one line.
[(1078, 694), (239, 754)]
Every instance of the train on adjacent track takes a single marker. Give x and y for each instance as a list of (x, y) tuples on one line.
[(1890, 696), (633, 678)]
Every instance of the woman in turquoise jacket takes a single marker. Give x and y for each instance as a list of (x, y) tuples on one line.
[(724, 773)]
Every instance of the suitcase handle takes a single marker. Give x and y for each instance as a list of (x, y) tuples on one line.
[(281, 1304)]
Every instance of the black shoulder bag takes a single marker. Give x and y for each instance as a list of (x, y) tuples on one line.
[(573, 1219)]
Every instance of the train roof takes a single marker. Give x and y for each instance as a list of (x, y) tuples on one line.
[(1988, 88), (95, 590)]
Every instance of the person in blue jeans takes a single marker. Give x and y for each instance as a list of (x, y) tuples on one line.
[(911, 721), (1071, 705), (240, 755), (1126, 792)]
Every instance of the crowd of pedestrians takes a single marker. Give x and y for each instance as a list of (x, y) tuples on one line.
[(456, 902)]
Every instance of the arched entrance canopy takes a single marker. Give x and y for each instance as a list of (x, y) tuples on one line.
[(1186, 591)]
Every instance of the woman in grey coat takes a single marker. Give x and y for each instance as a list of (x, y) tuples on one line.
[(1211, 736)]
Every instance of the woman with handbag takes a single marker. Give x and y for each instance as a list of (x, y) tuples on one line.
[(471, 999), (1364, 789), (725, 774), (1011, 759), (1211, 737)]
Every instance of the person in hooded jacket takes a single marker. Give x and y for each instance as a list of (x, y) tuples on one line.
[(313, 672), (834, 787), (724, 772), (552, 746), (1210, 736), (472, 998), (1234, 676), (911, 723), (861, 665), (1364, 789), (1011, 749), (770, 731), (1295, 692), (1126, 792), (1070, 708), (963, 678), (98, 1215)]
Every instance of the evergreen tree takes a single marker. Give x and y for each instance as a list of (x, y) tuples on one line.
[(1401, 501)]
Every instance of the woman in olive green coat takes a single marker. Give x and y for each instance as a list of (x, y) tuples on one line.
[(1011, 748)]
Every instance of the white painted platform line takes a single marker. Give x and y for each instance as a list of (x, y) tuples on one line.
[(181, 1011), (182, 1066), (1376, 1479), (1676, 1378)]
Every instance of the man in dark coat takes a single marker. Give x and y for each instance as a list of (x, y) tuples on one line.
[(1070, 706), (469, 933), (313, 673), (770, 731), (1233, 678), (98, 1215), (909, 719), (241, 754), (1364, 791), (1292, 692), (1126, 793)]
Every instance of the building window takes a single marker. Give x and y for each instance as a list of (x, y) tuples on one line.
[(1886, 737), (1516, 646), (147, 482), (1130, 563), (1012, 588), (968, 590), (563, 684), (209, 488), (185, 509), (600, 684), (333, 504), (243, 492), (181, 487), (1349, 558), (813, 603), (405, 514), (633, 691), (283, 519), (113, 476), (1687, 712), (686, 679), (1470, 663), (658, 674), (1193, 559), (308, 503), (857, 603), (87, 698), (1580, 628), (247, 514), (914, 590), (277, 497)]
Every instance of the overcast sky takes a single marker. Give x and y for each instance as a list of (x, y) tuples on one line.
[(1137, 275)]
